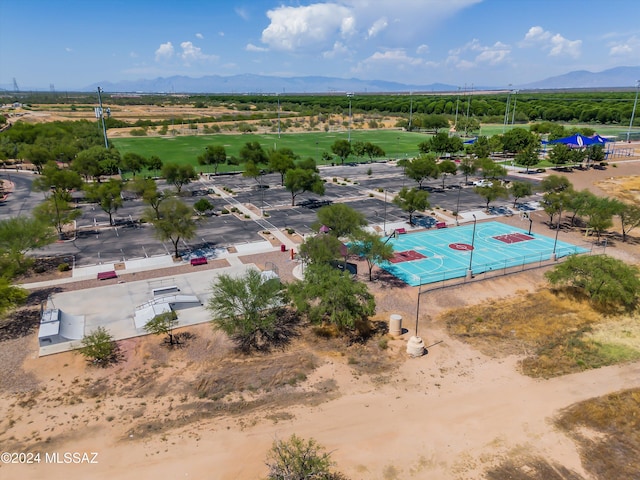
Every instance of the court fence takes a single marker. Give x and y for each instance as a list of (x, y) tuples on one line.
[(460, 276)]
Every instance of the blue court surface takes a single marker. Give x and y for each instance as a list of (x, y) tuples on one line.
[(437, 255)]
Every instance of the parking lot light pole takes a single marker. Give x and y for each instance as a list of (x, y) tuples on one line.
[(473, 240), (555, 242), (633, 112), (458, 205), (350, 95)]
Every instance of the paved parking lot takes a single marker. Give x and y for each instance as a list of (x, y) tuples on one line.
[(98, 242)]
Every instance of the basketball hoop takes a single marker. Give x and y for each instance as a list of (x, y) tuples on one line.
[(524, 216)]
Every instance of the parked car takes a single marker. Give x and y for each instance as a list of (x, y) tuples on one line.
[(483, 183)]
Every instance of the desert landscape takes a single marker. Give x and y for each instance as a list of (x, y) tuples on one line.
[(463, 410), (479, 404)]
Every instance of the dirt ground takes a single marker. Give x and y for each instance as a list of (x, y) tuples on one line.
[(451, 414)]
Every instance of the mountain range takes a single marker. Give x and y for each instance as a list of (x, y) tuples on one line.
[(619, 77)]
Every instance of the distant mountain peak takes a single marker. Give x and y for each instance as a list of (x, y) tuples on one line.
[(612, 78)]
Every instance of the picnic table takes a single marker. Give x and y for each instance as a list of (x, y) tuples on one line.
[(107, 275)]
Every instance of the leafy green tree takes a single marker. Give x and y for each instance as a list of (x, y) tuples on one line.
[(214, 155), (421, 168), (164, 324), (595, 154), (175, 222), (492, 193), (132, 162), (481, 148), (37, 155), (610, 284), (320, 249), (447, 167), (579, 203), (553, 203), (252, 152), (202, 206), (527, 157), (341, 219), (297, 459), (282, 160), (517, 139), (434, 122), (560, 154), (358, 149), (96, 162), (373, 151), (342, 149), (100, 348), (57, 211), (178, 175), (411, 201), (468, 166), (308, 164), (147, 188), (555, 183), (299, 180), (154, 163), (253, 170), (55, 179), (520, 190), (491, 169), (246, 308), (629, 218), (108, 195), (20, 234), (601, 213), (372, 248), (10, 296), (327, 295)]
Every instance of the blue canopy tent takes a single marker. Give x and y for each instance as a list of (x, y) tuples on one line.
[(599, 139), (575, 141)]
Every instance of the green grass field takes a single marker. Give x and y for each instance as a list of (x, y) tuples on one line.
[(185, 149)]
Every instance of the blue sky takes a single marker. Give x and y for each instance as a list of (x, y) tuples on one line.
[(74, 43)]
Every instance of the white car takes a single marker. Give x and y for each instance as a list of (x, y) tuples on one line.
[(483, 183)]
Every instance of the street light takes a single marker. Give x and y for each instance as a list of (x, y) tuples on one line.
[(555, 242), (515, 100), (458, 204), (384, 228), (349, 135), (473, 240), (278, 95), (506, 111), (633, 112), (455, 124)]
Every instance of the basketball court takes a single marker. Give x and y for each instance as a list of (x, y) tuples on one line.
[(437, 255)]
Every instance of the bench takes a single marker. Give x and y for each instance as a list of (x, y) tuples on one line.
[(198, 261), (107, 275), (400, 231), (441, 225)]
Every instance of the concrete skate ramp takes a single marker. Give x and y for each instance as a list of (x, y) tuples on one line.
[(71, 326)]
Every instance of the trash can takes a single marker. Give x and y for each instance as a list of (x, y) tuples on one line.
[(283, 248)]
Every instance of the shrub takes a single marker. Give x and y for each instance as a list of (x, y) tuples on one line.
[(63, 267), (100, 348), (369, 171), (224, 211), (297, 458)]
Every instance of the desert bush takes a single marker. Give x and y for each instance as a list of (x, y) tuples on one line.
[(100, 348)]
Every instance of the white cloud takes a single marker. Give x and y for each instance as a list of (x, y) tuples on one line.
[(310, 27), (200, 36), (191, 53), (254, 48), (377, 27), (164, 52), (627, 48), (339, 49), (133, 54), (473, 54), (554, 43), (242, 13), (68, 49), (396, 59), (422, 49), (221, 34)]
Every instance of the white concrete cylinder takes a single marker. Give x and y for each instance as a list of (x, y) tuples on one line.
[(395, 325)]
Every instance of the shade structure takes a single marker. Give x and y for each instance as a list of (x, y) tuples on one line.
[(599, 139), (576, 141)]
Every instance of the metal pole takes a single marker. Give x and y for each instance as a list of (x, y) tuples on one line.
[(104, 128), (466, 126), (410, 109), (418, 306), (278, 95), (473, 240), (384, 229), (458, 204), (555, 242), (506, 111), (455, 124), (349, 135), (633, 112), (515, 100)]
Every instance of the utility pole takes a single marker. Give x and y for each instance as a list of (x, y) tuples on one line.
[(99, 114), (506, 111), (410, 109), (349, 135), (466, 126), (633, 112), (515, 99)]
